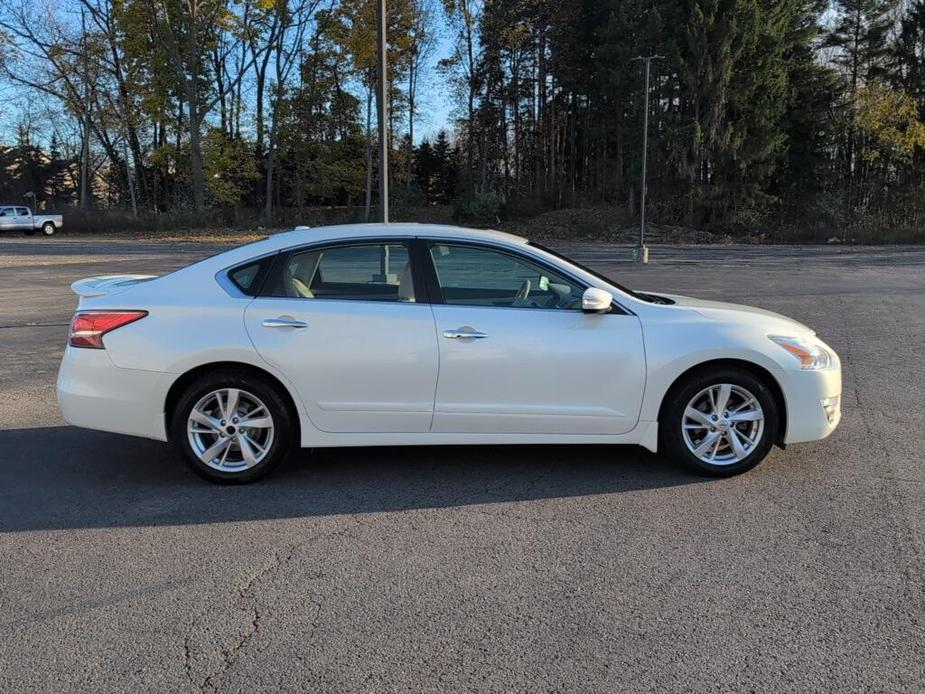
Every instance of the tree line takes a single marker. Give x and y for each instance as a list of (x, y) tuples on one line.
[(804, 113)]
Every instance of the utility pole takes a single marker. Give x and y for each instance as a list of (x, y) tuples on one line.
[(642, 251), (383, 110)]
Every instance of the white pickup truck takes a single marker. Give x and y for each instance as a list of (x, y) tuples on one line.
[(16, 218)]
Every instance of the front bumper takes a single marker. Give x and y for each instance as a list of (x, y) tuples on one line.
[(94, 393), (806, 393)]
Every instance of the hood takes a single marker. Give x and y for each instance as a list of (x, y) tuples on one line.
[(773, 323)]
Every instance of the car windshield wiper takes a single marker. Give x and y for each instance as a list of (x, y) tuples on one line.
[(655, 298)]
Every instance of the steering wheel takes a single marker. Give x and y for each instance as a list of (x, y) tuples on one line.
[(521, 297)]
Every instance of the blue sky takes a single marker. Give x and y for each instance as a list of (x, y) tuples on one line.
[(437, 105)]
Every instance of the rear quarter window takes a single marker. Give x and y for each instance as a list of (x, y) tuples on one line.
[(249, 277)]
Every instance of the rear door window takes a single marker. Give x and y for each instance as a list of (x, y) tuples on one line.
[(357, 272)]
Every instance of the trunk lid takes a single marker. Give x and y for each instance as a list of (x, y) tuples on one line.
[(107, 285)]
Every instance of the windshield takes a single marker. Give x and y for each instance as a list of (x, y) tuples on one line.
[(603, 278)]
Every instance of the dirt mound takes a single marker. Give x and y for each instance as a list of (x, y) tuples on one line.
[(603, 225), (663, 233)]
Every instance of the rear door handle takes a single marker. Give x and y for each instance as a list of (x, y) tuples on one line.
[(283, 323), (464, 333)]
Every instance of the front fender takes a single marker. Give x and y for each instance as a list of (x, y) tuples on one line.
[(672, 350)]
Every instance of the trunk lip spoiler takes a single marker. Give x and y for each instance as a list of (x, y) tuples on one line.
[(102, 285)]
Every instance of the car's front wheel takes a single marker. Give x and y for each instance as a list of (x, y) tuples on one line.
[(232, 428), (720, 422)]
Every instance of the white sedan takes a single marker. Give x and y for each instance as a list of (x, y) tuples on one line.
[(405, 334)]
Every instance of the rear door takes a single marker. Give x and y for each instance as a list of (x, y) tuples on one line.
[(347, 325), (517, 354), (23, 218)]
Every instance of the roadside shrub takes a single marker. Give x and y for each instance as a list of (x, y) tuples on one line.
[(481, 209)]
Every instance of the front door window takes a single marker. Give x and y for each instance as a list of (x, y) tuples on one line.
[(474, 276)]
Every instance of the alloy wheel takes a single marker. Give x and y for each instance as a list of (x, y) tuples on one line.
[(722, 424), (230, 430)]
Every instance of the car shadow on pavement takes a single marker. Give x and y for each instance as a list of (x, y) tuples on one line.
[(64, 477)]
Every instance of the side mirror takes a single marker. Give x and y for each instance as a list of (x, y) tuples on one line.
[(596, 300)]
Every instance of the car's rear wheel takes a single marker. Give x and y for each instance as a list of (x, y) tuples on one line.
[(720, 422), (48, 229), (232, 428)]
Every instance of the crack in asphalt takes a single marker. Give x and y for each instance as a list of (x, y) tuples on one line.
[(229, 655), (246, 594)]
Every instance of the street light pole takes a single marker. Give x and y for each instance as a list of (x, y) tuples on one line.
[(642, 252), (383, 110)]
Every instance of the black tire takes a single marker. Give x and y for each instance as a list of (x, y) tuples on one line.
[(671, 438), (48, 229), (283, 431)]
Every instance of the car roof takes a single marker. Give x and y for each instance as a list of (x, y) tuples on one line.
[(304, 236), (397, 229)]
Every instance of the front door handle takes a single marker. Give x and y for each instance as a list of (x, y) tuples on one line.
[(464, 334), (283, 323)]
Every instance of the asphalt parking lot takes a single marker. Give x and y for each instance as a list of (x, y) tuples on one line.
[(499, 569)]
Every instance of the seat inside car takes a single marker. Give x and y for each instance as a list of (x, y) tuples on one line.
[(302, 280), (299, 277), (406, 285)]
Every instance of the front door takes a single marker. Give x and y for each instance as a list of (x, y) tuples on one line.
[(343, 324), (7, 218), (517, 354)]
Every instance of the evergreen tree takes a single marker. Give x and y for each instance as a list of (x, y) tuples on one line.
[(860, 36), (59, 189), (448, 160), (802, 180), (627, 29), (426, 170), (908, 59), (860, 39)]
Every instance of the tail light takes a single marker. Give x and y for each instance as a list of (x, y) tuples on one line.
[(88, 327)]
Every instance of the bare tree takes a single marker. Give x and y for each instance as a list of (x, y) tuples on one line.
[(261, 29), (420, 49), (465, 15), (284, 50), (186, 28), (57, 62)]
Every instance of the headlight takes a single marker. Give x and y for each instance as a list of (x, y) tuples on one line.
[(811, 354)]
